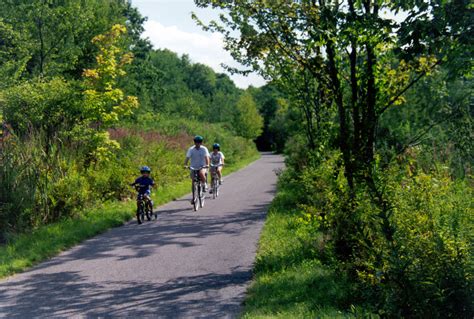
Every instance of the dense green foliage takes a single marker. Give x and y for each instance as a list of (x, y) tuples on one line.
[(436, 117), (425, 269), (85, 102), (174, 86), (376, 117)]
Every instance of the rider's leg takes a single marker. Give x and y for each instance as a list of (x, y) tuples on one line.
[(202, 176), (219, 173), (149, 201), (212, 170)]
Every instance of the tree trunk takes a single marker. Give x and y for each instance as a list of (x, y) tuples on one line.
[(344, 134)]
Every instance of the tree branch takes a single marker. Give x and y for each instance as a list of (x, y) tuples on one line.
[(413, 82), (417, 139)]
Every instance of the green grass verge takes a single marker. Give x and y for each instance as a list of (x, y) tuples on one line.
[(26, 250), (289, 280)]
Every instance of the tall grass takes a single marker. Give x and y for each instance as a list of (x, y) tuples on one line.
[(18, 183)]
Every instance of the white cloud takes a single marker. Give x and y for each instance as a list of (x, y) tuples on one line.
[(206, 49)]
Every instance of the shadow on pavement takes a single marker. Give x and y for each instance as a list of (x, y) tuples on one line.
[(142, 243), (65, 294)]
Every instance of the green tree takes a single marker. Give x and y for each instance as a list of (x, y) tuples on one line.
[(247, 121), (42, 107), (435, 116), (315, 47), (201, 78), (223, 100), (104, 103), (13, 55), (57, 34)]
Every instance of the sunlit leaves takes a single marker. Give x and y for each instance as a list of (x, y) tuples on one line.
[(13, 54), (393, 75), (104, 102)]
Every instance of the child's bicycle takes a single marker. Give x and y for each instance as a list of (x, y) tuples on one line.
[(144, 207), (214, 181)]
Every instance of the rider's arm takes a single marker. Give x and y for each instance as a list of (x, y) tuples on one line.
[(207, 156), (222, 158), (134, 183), (188, 156)]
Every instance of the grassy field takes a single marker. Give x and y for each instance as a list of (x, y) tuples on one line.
[(289, 280), (26, 250)]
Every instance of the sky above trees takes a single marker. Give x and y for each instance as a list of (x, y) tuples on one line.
[(170, 26)]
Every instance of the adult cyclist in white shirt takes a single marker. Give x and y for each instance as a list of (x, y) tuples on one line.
[(217, 160), (200, 158)]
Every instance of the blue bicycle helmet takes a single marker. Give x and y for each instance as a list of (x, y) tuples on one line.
[(198, 139), (216, 146), (145, 169)]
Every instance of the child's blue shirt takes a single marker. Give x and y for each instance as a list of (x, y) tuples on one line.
[(145, 184)]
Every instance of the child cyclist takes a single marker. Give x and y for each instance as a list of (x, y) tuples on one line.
[(217, 160), (144, 184)]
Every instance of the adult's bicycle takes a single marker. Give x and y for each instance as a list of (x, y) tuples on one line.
[(215, 180), (198, 191)]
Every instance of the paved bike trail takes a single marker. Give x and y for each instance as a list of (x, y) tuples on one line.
[(184, 265)]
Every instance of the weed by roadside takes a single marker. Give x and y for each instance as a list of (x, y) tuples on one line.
[(290, 280)]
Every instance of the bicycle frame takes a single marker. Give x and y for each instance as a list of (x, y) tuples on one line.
[(198, 195), (144, 207)]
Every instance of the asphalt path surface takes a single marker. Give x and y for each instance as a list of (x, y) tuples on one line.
[(184, 265)]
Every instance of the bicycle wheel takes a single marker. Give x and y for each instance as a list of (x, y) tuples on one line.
[(195, 196), (217, 185), (140, 213), (148, 211), (214, 187)]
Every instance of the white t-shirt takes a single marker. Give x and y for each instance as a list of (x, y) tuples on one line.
[(216, 158), (197, 156)]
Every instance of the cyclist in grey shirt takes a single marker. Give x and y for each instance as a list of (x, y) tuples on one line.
[(200, 158)]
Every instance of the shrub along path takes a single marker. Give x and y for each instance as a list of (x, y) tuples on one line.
[(185, 264)]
